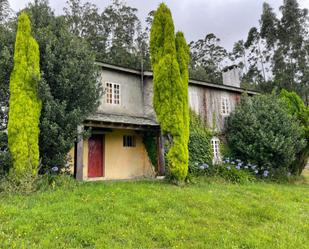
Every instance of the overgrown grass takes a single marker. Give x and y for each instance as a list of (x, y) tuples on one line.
[(148, 214)]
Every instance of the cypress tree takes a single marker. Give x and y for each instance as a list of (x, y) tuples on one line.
[(170, 58), (25, 106)]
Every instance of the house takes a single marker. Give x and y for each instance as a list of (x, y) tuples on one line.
[(115, 149)]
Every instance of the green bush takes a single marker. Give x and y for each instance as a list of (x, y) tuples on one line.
[(5, 156), (200, 151), (234, 171), (233, 175), (300, 111), (262, 132), (30, 184)]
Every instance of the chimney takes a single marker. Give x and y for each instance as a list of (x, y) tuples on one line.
[(231, 76)]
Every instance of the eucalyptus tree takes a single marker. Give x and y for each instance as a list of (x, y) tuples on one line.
[(238, 55), (4, 10), (280, 47), (86, 21), (207, 58)]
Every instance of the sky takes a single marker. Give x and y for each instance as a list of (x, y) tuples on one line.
[(230, 20)]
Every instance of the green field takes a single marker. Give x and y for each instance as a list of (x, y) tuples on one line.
[(152, 214)]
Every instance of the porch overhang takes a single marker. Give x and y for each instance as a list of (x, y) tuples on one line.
[(113, 121)]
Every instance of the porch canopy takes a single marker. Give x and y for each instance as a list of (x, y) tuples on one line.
[(121, 122)]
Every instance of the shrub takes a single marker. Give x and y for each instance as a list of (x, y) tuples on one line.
[(31, 184), (261, 131), (297, 108), (5, 156), (199, 143), (234, 171), (10, 184)]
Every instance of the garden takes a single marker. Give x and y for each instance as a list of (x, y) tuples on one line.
[(210, 213)]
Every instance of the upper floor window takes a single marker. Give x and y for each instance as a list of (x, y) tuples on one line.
[(225, 106), (112, 93), (193, 101), (215, 144)]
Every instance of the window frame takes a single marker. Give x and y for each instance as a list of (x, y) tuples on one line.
[(215, 146), (113, 94), (225, 106), (126, 143)]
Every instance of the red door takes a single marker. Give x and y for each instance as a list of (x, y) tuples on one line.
[(95, 156)]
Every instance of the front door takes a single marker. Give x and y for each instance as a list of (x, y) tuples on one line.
[(95, 156)]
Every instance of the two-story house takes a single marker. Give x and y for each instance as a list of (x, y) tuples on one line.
[(115, 149)]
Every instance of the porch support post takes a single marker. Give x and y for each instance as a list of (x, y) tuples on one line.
[(160, 154), (80, 152)]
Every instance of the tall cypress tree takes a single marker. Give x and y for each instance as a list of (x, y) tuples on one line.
[(183, 58), (25, 105), (170, 58)]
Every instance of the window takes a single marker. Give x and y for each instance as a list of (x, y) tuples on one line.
[(193, 102), (215, 142), (225, 106), (129, 141), (112, 93)]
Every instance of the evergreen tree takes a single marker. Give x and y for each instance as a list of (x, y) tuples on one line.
[(68, 70), (183, 58), (4, 10), (207, 59), (115, 34), (6, 61), (25, 105), (86, 21), (255, 58), (170, 76), (238, 55), (269, 26), (279, 49)]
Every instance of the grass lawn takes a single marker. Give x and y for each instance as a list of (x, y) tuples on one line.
[(146, 214)]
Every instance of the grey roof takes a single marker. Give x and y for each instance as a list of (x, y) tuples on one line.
[(223, 87), (122, 119), (191, 81)]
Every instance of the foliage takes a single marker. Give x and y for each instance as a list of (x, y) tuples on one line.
[(256, 215), (69, 71), (200, 151), (150, 142), (4, 10), (297, 108), (255, 133), (278, 50), (7, 37), (115, 34), (52, 180), (207, 57), (169, 59), (25, 105), (5, 155), (40, 183)]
